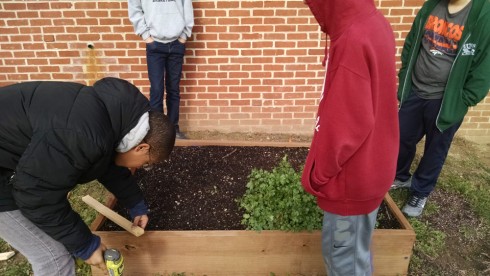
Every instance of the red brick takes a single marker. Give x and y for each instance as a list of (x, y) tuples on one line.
[(261, 29), (267, 12), (17, 22), (14, 6), (239, 13), (124, 29), (262, 44), (20, 54), (275, 36), (87, 21), (252, 21), (205, 21), (14, 62), (60, 5), (90, 37), (74, 14), (215, 13), (109, 5), (38, 6), (119, 13), (98, 14), (49, 30), (226, 5), (287, 12), (28, 14), (50, 14), (212, 45), (17, 77), (214, 29), (62, 77), (26, 69), (85, 5), (228, 21)]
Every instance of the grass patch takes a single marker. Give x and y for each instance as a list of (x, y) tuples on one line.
[(469, 176)]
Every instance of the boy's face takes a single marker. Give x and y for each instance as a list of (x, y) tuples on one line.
[(136, 157)]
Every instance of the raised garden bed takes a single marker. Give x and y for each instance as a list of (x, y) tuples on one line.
[(234, 251)]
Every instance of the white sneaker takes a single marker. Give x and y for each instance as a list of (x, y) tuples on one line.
[(414, 206)]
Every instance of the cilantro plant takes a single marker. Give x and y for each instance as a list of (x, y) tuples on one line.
[(275, 200)]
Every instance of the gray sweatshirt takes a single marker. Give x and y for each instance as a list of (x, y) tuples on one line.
[(163, 20)]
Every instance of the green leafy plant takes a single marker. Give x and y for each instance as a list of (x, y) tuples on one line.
[(275, 200)]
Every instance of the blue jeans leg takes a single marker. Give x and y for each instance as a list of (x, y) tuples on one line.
[(165, 62), (173, 69), (46, 255), (156, 57), (436, 148), (410, 118), (417, 117)]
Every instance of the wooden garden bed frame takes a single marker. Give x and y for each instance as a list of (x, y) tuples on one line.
[(243, 252)]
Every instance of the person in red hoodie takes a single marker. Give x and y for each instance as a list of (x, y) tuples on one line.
[(352, 158)]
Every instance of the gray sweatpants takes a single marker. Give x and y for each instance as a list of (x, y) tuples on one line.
[(47, 256), (345, 244)]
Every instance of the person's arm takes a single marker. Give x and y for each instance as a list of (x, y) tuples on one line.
[(120, 182), (345, 120), (478, 82), (46, 172), (137, 17), (189, 20)]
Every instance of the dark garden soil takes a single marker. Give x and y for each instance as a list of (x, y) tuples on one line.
[(198, 188)]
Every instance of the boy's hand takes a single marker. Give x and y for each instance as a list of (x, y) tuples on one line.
[(97, 258), (140, 221), (149, 39)]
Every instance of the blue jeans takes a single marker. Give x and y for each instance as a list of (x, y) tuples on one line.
[(346, 242), (164, 62), (46, 255), (417, 118)]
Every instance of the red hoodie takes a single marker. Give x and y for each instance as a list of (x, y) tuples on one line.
[(353, 154)]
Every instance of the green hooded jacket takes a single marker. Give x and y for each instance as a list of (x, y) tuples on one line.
[(469, 79)]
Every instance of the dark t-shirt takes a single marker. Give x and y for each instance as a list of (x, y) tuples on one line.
[(442, 32)]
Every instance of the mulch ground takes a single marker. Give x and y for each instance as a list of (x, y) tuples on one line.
[(198, 188)]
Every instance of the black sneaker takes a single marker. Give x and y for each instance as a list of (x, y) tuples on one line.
[(414, 206)]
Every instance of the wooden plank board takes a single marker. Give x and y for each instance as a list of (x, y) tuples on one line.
[(100, 219), (217, 252), (189, 142), (245, 252), (6, 255), (113, 216), (396, 211)]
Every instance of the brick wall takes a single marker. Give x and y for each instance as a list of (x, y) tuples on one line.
[(251, 66)]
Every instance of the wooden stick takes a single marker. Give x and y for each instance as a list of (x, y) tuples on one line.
[(113, 216), (7, 255)]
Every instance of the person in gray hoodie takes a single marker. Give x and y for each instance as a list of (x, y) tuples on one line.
[(165, 26)]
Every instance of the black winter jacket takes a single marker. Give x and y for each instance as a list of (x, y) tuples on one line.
[(55, 135)]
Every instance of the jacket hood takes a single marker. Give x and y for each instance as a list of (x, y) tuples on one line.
[(124, 102), (334, 16)]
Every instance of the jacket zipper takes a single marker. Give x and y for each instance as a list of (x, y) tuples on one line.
[(417, 41), (450, 71)]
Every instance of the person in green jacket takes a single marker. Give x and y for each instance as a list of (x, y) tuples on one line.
[(445, 70)]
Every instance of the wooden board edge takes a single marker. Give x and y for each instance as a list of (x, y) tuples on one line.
[(110, 202), (189, 142), (6, 255), (398, 214)]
